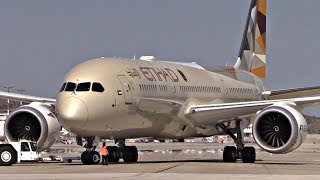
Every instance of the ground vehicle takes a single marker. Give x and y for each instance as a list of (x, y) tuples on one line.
[(13, 152)]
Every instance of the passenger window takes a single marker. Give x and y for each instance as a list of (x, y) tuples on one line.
[(83, 86), (97, 87), (24, 146), (70, 86), (63, 86)]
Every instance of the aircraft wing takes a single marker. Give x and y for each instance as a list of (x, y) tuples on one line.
[(220, 111), (25, 98), (207, 113), (292, 93)]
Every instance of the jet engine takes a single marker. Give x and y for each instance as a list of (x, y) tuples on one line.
[(34, 122), (279, 129)]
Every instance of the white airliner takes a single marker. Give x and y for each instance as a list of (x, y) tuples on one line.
[(112, 98)]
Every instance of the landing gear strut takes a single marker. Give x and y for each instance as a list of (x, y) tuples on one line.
[(232, 153), (127, 153), (90, 156)]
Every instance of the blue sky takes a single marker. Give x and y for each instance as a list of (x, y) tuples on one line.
[(40, 40)]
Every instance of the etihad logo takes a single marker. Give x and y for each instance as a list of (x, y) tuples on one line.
[(155, 74)]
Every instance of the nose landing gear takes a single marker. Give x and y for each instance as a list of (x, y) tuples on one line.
[(90, 156)]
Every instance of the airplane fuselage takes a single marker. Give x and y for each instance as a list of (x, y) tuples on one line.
[(133, 101)]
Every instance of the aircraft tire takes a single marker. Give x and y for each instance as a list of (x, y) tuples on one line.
[(93, 157), (229, 154), (134, 153), (7, 156), (113, 154), (130, 154), (248, 155), (84, 159)]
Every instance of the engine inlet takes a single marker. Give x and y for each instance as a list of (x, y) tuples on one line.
[(24, 126)]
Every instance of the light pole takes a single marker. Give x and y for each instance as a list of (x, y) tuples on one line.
[(21, 91), (8, 100)]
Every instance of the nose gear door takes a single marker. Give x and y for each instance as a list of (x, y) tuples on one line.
[(126, 89)]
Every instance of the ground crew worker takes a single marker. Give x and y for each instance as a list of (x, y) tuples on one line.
[(104, 154)]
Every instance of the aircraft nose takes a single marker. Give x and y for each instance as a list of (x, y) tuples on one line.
[(72, 112)]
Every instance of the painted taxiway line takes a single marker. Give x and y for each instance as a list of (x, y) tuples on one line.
[(161, 168)]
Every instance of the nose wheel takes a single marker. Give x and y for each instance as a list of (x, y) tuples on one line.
[(90, 157)]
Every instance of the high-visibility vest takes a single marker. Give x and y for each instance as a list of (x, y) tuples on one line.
[(104, 151)]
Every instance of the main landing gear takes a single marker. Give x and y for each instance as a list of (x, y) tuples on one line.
[(127, 153), (91, 157), (232, 153)]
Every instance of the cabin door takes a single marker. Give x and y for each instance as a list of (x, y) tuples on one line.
[(126, 89)]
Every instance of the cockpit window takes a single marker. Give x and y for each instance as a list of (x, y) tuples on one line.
[(70, 86), (63, 86), (83, 86), (97, 87)]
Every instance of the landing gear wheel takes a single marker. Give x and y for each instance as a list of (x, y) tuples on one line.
[(90, 157), (93, 157), (248, 155), (7, 156), (134, 153), (130, 154), (84, 159), (113, 157), (229, 154)]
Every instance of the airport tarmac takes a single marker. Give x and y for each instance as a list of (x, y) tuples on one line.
[(175, 161)]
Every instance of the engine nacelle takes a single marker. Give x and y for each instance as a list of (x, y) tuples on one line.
[(279, 129), (34, 122)]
